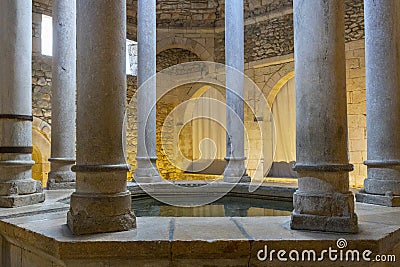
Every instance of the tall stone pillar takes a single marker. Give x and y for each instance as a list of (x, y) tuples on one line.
[(101, 202), (146, 171), (63, 107), (323, 201), (382, 39), (234, 54), (17, 188)]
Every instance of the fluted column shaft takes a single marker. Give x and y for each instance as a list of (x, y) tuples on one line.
[(101, 202), (234, 57), (17, 188), (63, 107), (146, 171), (323, 201), (382, 39)]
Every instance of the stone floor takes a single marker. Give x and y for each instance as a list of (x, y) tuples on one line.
[(38, 236)]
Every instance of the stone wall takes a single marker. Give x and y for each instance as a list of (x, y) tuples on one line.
[(356, 110), (268, 74), (42, 7), (354, 20), (268, 38), (166, 131), (41, 87), (273, 36), (174, 56)]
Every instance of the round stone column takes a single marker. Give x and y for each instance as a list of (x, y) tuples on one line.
[(234, 57), (63, 107), (382, 39), (323, 201), (101, 202), (17, 188), (146, 171)]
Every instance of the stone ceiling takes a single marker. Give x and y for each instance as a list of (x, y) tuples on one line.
[(188, 13)]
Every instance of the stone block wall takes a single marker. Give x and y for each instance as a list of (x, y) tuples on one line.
[(272, 36), (42, 7), (166, 131), (41, 87), (354, 20), (356, 110)]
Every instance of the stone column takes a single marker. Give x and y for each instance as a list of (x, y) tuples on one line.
[(17, 188), (234, 54), (101, 202), (63, 107), (382, 39), (146, 171), (323, 201)]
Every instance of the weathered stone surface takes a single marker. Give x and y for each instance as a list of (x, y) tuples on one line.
[(63, 94), (383, 98), (61, 177), (101, 202), (41, 94), (321, 127), (146, 155), (235, 170), (183, 241), (13, 201), (17, 188), (100, 215), (389, 199)]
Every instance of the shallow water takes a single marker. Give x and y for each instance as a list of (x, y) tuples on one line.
[(224, 207)]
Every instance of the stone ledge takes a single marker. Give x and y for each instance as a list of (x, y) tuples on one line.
[(162, 241), (382, 200), (21, 200), (53, 185), (220, 241)]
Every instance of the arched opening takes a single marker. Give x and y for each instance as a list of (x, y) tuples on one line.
[(284, 114), (208, 135), (41, 150), (37, 169)]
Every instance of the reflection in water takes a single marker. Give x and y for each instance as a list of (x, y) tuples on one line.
[(225, 207)]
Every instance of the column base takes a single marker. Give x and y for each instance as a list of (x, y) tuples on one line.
[(61, 180), (19, 193), (20, 187), (21, 200), (147, 171), (324, 211), (388, 200), (51, 185), (100, 213), (324, 223), (235, 171), (382, 186), (61, 176)]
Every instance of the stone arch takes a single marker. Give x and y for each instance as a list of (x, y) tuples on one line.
[(37, 169), (285, 126), (41, 133), (185, 43), (174, 56), (197, 130), (277, 87)]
